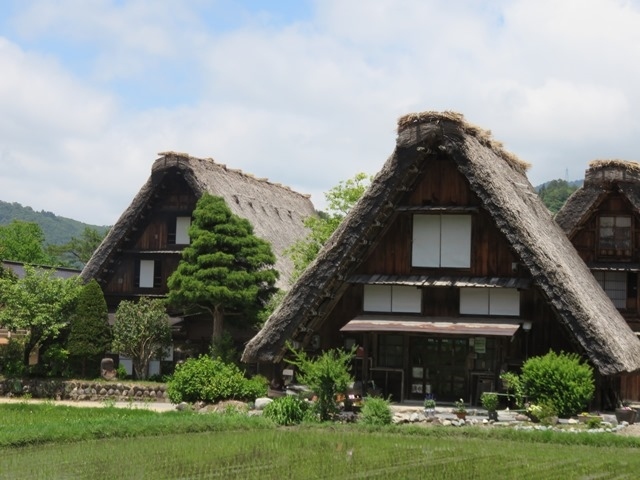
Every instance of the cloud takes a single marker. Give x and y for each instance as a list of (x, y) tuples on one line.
[(95, 89)]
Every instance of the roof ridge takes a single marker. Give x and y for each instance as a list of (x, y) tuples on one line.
[(482, 135), (224, 166)]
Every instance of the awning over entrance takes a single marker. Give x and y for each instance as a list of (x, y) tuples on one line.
[(443, 325)]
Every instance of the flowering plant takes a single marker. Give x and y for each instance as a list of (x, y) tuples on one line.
[(534, 411), (460, 406), (541, 411)]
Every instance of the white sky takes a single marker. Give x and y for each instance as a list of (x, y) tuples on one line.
[(305, 93)]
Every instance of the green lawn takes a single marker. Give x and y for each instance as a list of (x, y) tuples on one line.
[(64, 442)]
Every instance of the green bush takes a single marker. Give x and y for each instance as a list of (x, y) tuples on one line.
[(11, 358), (376, 411), (513, 385), (561, 380), (489, 401), (287, 410), (327, 375), (208, 380), (121, 372), (55, 361), (594, 422)]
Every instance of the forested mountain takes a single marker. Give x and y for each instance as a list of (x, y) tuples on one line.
[(57, 230), (555, 192)]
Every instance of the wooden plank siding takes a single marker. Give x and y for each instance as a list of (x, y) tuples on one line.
[(150, 241), (442, 185)]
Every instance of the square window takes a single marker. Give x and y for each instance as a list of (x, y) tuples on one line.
[(441, 241), (614, 234)]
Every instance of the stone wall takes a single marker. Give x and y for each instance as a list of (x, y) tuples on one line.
[(83, 390)]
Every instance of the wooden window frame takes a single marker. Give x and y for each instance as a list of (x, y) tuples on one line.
[(615, 240)]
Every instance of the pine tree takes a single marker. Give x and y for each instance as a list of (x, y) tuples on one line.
[(225, 268), (90, 334)]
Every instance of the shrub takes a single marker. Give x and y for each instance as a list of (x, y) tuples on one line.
[(55, 361), (208, 380), (542, 412), (513, 385), (376, 411), (327, 375), (121, 372), (11, 358), (287, 410), (593, 422), (561, 380), (489, 401)]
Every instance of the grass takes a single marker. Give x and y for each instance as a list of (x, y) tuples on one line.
[(47, 441)]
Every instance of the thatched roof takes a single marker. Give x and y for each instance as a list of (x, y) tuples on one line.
[(502, 186), (601, 178), (276, 212)]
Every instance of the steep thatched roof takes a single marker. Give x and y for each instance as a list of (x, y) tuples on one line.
[(499, 180), (601, 178), (276, 212)]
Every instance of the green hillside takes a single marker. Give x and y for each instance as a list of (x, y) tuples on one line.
[(57, 230)]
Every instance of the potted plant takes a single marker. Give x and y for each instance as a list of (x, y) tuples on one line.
[(429, 406), (624, 413), (489, 401), (460, 410)]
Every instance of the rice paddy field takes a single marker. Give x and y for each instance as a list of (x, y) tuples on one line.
[(51, 442)]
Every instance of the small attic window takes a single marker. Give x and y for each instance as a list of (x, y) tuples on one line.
[(614, 235)]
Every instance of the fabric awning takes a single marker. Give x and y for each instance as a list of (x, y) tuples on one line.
[(442, 325)]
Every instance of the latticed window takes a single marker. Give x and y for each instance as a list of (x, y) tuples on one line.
[(390, 351), (615, 235), (615, 286)]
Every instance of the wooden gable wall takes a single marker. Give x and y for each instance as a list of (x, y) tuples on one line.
[(442, 186), (149, 240), (585, 240)]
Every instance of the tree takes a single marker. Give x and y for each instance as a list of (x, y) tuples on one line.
[(90, 334), (23, 242), (340, 200), (225, 268), (554, 193), (141, 332), (39, 303), (78, 250)]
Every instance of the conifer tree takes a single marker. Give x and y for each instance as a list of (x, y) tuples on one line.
[(90, 334), (225, 267)]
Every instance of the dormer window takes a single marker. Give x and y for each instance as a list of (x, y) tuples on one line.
[(441, 241), (614, 235)]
